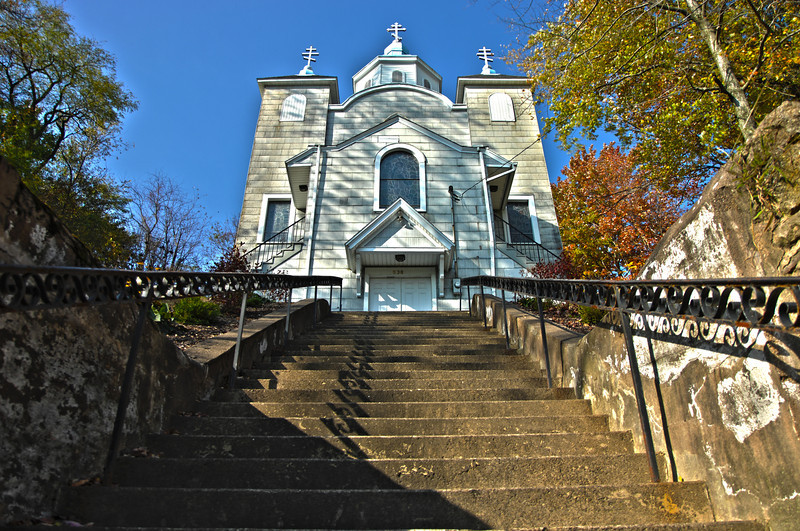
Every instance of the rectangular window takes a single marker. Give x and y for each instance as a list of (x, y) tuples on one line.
[(278, 214), (519, 220)]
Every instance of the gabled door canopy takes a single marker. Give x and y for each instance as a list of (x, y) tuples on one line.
[(438, 245)]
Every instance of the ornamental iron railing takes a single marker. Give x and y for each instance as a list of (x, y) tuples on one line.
[(24, 288), (521, 242), (720, 313), (266, 253)]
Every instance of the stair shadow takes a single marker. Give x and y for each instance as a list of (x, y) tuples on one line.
[(348, 469)]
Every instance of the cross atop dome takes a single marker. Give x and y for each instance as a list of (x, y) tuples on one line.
[(308, 55), (396, 47), (485, 54), (396, 28)]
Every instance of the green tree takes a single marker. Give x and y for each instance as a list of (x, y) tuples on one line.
[(60, 113), (685, 80)]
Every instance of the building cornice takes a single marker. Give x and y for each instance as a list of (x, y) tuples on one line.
[(489, 81), (302, 81)]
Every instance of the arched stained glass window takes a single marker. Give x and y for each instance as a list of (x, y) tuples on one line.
[(293, 108), (501, 108), (399, 178)]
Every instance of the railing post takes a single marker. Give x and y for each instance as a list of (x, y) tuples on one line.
[(483, 299), (505, 318), (125, 393), (237, 348), (288, 311), (340, 297), (639, 392), (469, 301), (543, 328), (330, 297), (664, 424)]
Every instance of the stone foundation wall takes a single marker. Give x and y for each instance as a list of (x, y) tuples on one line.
[(61, 370), (734, 416)]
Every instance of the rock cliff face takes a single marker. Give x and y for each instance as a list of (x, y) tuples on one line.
[(747, 222), (60, 370), (733, 416)]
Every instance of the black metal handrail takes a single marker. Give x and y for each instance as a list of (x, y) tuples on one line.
[(737, 306), (528, 247), (24, 288), (269, 248)]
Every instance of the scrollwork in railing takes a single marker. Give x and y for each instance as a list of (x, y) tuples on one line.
[(765, 303), (33, 288)]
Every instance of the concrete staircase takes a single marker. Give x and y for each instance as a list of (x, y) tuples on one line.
[(392, 421)]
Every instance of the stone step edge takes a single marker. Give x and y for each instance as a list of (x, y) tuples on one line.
[(353, 437), (120, 488)]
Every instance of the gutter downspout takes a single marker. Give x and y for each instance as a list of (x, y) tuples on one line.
[(489, 217), (311, 211), (455, 232)]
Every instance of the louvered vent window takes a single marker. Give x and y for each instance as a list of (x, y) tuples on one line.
[(501, 108), (293, 108)]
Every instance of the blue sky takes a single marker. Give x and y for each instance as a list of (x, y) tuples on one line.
[(193, 65)]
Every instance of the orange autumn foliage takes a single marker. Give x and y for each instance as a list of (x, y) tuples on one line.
[(610, 215)]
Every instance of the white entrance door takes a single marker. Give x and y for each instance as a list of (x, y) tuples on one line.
[(386, 294), (416, 294), (400, 294)]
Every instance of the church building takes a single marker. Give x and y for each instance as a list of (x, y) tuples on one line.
[(398, 189)]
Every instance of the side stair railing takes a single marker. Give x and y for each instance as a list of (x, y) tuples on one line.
[(267, 252), (723, 314), (26, 288), (532, 250)]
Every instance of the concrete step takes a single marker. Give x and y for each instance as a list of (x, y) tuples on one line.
[(392, 395), (309, 382), (638, 504), (353, 363), (432, 327), (373, 474), (290, 375), (421, 333), (454, 409), (380, 340), (349, 446), (690, 526), (400, 350), (379, 357), (322, 426)]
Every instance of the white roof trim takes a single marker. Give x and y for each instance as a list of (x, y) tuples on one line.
[(395, 119), (357, 243), (391, 86)]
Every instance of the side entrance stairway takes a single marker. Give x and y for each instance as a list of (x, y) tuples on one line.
[(392, 421)]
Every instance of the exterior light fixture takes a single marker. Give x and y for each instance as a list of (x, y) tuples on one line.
[(303, 187), (400, 257)]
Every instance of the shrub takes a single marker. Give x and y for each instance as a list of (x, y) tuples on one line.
[(160, 312), (196, 310), (590, 315), (531, 305), (254, 300)]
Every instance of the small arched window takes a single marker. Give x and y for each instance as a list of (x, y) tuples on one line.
[(427, 84), (501, 108), (293, 108), (397, 76), (400, 173)]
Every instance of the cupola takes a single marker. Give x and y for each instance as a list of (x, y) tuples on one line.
[(396, 65)]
